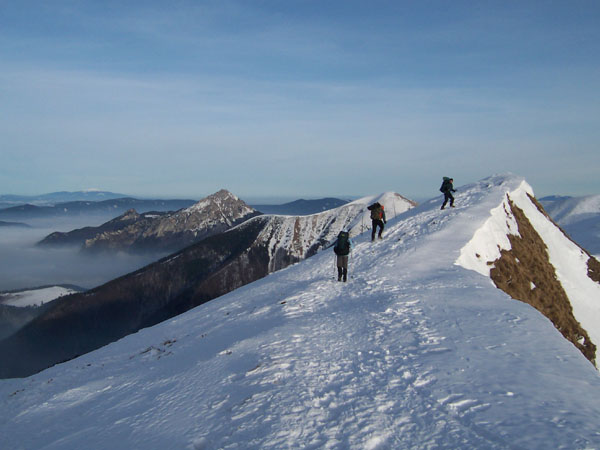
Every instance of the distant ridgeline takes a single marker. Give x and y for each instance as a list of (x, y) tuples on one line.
[(17, 308), (80, 208), (159, 231)]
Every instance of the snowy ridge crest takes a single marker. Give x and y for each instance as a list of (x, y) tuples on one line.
[(492, 237), (302, 236)]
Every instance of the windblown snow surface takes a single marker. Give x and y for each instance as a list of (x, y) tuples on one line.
[(415, 351)]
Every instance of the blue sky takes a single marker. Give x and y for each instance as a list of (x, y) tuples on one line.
[(298, 98)]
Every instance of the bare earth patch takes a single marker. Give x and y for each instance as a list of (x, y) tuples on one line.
[(526, 274), (594, 269)]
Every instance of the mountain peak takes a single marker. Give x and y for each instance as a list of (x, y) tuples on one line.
[(130, 214), (223, 200), (224, 194)]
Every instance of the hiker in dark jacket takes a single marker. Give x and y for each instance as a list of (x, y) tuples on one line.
[(447, 189), (342, 247), (378, 218)]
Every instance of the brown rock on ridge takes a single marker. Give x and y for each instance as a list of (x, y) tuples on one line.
[(594, 269), (526, 274)]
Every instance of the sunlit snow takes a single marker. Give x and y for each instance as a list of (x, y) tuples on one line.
[(413, 352)]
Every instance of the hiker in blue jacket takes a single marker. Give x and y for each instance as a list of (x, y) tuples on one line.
[(342, 247), (447, 189)]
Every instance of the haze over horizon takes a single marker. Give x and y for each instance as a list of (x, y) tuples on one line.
[(300, 98)]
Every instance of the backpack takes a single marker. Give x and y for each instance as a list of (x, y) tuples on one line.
[(376, 211), (342, 246), (444, 186)]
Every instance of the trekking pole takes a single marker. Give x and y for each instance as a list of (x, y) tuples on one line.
[(349, 261), (334, 266)]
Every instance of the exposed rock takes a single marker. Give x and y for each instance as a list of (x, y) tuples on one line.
[(160, 232), (525, 273)]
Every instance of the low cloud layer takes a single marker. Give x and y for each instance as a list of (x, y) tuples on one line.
[(23, 265)]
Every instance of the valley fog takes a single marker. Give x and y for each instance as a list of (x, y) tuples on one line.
[(23, 265)]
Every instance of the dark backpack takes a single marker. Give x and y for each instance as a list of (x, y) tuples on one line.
[(445, 183), (376, 211), (342, 246)]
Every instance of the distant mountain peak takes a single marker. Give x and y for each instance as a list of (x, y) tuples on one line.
[(130, 214), (162, 232), (221, 200), (224, 193)]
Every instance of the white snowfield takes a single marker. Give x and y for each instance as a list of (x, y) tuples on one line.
[(414, 352), (36, 297)]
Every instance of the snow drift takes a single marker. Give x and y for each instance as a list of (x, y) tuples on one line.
[(414, 351)]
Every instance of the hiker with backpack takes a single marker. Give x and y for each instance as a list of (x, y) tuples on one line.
[(341, 248), (378, 218), (447, 189)]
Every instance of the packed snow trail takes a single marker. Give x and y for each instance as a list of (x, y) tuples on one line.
[(412, 352)]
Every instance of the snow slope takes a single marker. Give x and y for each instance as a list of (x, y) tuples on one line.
[(298, 237), (579, 216), (414, 351), (35, 297)]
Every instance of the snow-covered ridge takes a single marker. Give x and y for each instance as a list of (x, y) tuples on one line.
[(570, 262), (302, 236), (492, 237), (413, 352)]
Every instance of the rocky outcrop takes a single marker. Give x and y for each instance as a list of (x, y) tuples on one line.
[(526, 274), (160, 232)]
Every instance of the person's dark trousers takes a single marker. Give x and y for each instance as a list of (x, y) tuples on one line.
[(342, 267), (377, 223), (448, 196)]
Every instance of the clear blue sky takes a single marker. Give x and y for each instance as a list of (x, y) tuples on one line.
[(298, 98)]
